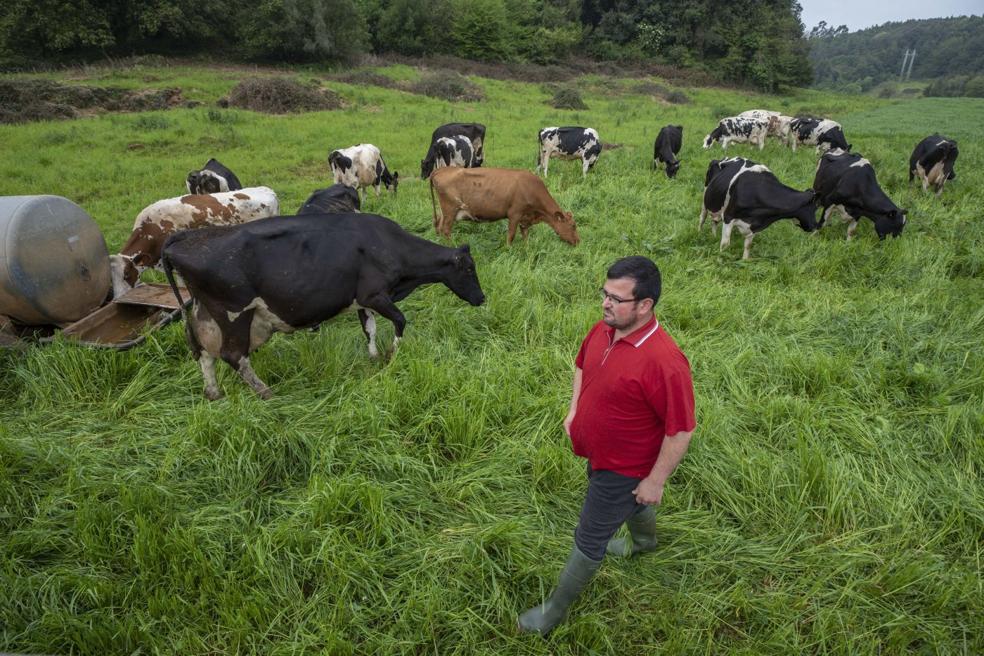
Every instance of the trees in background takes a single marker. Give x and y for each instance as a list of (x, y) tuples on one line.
[(752, 42)]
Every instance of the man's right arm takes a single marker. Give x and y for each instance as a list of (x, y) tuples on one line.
[(574, 396)]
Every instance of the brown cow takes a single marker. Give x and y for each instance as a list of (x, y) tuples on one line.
[(493, 194), (160, 220)]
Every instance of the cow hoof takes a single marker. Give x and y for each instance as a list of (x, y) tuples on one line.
[(213, 394), (266, 393)]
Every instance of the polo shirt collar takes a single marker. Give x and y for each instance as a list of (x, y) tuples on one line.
[(638, 336)]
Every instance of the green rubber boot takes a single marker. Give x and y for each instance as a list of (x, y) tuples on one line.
[(578, 571), (642, 528)]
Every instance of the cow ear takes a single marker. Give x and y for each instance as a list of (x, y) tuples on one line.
[(465, 249)]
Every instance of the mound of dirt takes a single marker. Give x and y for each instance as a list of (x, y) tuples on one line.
[(447, 85), (41, 100), (567, 98), (281, 95)]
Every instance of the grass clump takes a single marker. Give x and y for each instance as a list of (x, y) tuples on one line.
[(281, 95), (567, 98), (365, 78), (448, 85)]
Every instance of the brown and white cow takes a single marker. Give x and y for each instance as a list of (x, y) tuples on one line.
[(494, 194), (159, 221)]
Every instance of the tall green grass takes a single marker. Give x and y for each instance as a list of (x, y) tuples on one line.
[(831, 501)]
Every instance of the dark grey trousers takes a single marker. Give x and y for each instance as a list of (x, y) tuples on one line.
[(608, 503)]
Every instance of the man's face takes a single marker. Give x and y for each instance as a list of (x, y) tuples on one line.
[(628, 313)]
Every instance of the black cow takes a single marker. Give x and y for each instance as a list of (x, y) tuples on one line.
[(475, 133), (569, 143), (846, 182), (252, 280), (336, 199), (213, 178), (448, 151), (933, 160), (755, 199), (717, 181), (667, 145)]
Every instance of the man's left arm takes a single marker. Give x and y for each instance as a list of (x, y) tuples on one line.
[(650, 489)]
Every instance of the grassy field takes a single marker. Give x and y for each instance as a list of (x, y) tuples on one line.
[(831, 501)]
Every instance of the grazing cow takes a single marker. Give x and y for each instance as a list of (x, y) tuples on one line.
[(475, 133), (448, 151), (820, 132), (336, 199), (737, 129), (250, 281), (361, 167), (569, 143), (213, 178), (755, 199), (846, 182), (932, 161), (778, 123), (492, 194), (721, 173), (157, 222), (667, 145)]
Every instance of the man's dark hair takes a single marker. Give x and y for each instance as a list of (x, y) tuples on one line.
[(645, 273)]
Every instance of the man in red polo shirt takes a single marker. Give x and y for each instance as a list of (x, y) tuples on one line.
[(631, 416)]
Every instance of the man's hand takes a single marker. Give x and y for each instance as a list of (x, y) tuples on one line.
[(568, 420), (648, 492)]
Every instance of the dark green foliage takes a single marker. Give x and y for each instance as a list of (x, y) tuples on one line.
[(948, 50), (414, 28), (303, 29)]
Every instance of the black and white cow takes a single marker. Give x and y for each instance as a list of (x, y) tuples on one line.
[(755, 199), (250, 281), (720, 175), (738, 129), (820, 132), (475, 133), (846, 182), (778, 122), (932, 161), (336, 199), (668, 143), (361, 167), (569, 143), (448, 151), (213, 178)]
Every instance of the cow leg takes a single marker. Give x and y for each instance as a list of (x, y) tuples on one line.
[(749, 235), (368, 320), (524, 229), (385, 307), (703, 216), (514, 219), (546, 164), (204, 339), (585, 165), (725, 235), (236, 348), (448, 216)]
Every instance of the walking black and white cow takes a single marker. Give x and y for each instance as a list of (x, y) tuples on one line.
[(448, 151), (475, 133), (932, 160), (846, 182), (720, 175), (250, 281), (755, 199), (569, 143), (213, 178), (820, 132), (738, 129), (362, 167), (336, 199), (668, 143), (778, 122)]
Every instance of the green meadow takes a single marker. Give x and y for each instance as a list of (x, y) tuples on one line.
[(831, 501)]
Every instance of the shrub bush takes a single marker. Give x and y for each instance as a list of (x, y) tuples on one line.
[(567, 98), (281, 95), (448, 85)]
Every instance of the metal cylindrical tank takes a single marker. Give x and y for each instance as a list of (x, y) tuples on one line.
[(54, 265)]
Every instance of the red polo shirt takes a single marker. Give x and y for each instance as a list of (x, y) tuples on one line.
[(634, 391)]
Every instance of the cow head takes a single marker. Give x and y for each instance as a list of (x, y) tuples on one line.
[(205, 182), (390, 180), (461, 277), (806, 216), (565, 227), (672, 168), (124, 271), (426, 168), (890, 223)]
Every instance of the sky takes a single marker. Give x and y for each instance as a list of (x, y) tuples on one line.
[(859, 14)]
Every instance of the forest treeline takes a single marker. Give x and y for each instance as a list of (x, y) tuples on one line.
[(748, 42), (949, 54)]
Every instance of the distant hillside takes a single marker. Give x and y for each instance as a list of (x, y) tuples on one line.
[(948, 50)]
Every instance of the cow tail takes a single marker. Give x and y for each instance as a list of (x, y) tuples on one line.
[(169, 273), (433, 202)]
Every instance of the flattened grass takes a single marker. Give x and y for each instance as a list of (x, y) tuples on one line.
[(831, 502)]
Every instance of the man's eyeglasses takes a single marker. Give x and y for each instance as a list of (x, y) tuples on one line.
[(614, 299)]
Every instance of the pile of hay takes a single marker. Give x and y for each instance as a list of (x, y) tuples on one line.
[(447, 85), (281, 95), (44, 100), (567, 98)]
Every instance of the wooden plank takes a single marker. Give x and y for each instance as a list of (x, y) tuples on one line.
[(155, 295)]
